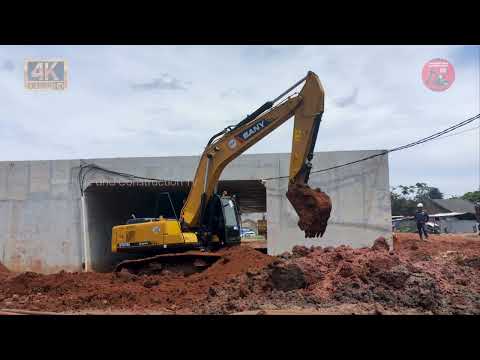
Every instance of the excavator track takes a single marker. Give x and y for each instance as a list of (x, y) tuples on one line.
[(186, 263)]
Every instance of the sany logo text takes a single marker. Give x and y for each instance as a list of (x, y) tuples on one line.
[(252, 130)]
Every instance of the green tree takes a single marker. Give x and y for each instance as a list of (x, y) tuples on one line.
[(404, 198), (421, 191), (401, 201), (402, 205), (472, 196), (405, 190), (434, 193)]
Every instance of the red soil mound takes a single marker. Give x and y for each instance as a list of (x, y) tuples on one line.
[(440, 276), (411, 246), (169, 291)]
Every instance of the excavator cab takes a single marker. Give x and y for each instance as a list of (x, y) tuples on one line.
[(222, 220)]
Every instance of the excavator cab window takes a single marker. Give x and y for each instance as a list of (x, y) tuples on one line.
[(222, 219), (229, 212), (231, 218)]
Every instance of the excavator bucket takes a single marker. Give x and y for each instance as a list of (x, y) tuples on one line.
[(313, 208)]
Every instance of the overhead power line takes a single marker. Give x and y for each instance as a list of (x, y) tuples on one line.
[(459, 133), (398, 148), (86, 168)]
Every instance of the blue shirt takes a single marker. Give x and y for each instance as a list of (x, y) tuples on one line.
[(421, 217)]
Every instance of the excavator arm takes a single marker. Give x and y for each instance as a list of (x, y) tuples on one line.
[(312, 206)]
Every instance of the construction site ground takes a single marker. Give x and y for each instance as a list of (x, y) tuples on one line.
[(441, 276)]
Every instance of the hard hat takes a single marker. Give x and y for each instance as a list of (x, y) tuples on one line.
[(419, 205)]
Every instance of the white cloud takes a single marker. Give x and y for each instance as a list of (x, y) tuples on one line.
[(375, 99), (7, 65), (164, 82)]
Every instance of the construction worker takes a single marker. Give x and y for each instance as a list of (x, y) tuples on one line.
[(477, 215), (421, 217)]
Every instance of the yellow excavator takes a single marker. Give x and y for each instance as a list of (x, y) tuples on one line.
[(209, 221)]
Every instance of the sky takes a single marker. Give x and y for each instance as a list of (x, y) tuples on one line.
[(128, 101)]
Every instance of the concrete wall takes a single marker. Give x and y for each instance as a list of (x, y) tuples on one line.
[(452, 225), (41, 213), (40, 216), (360, 195)]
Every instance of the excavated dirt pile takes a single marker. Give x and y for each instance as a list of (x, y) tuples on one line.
[(167, 291), (441, 276)]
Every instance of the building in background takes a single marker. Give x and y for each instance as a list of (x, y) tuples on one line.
[(452, 215), (434, 206)]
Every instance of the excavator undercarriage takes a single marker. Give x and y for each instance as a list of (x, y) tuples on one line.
[(186, 263)]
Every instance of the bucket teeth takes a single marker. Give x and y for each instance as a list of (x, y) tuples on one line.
[(313, 208)]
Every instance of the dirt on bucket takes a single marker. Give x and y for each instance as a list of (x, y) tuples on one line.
[(3, 269), (313, 208)]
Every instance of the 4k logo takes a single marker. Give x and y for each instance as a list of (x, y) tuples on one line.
[(45, 74)]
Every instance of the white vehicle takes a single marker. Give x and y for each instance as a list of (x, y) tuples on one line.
[(248, 234), (432, 227)]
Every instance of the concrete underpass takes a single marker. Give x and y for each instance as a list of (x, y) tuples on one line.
[(110, 204)]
